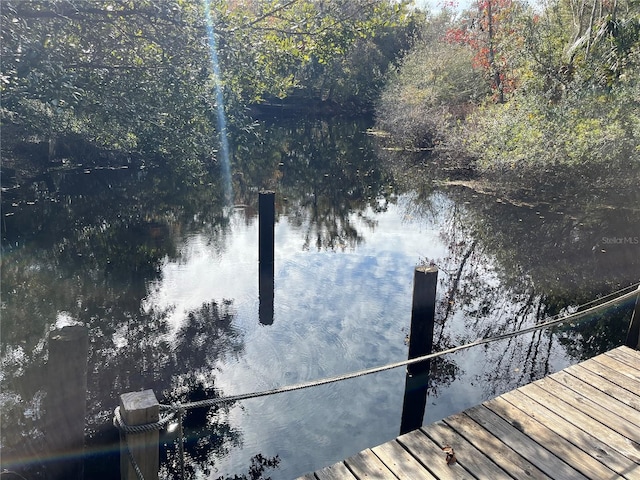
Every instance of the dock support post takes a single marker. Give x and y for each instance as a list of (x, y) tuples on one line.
[(266, 253), (140, 408), (425, 281), (633, 335), (66, 400)]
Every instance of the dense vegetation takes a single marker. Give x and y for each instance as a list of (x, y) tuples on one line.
[(524, 92), (502, 87), (136, 80)]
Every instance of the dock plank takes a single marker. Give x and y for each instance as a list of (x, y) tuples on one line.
[(580, 423), (337, 471), (604, 414), (365, 465), (606, 435), (471, 459), (611, 375), (431, 456), (558, 446), (615, 364), (574, 387), (509, 460), (512, 435), (604, 385), (626, 355), (554, 417), (401, 462)]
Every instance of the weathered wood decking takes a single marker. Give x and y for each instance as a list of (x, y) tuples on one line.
[(582, 422)]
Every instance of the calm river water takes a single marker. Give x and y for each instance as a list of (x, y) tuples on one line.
[(166, 279)]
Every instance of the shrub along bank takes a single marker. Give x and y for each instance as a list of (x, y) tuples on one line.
[(529, 95)]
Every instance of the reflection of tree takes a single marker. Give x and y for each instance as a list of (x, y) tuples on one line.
[(511, 265), (140, 354), (91, 253), (599, 334), (326, 174), (207, 337)]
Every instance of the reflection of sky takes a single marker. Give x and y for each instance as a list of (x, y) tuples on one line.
[(334, 312)]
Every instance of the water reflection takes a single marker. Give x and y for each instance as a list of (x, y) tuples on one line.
[(500, 277), (88, 243), (325, 173), (166, 280)]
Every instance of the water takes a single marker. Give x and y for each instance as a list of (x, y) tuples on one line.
[(168, 285)]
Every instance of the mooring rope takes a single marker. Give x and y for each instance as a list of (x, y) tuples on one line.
[(178, 409), (120, 424), (390, 366), (134, 464), (369, 371)]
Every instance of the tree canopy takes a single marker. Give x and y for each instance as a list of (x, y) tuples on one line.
[(135, 78), (560, 89)]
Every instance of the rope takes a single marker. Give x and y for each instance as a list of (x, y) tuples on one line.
[(179, 409), (132, 460), (120, 424), (631, 287), (181, 440), (390, 366), (134, 464)]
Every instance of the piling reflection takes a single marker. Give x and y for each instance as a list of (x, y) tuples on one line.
[(266, 252), (416, 390), (326, 174), (66, 401), (498, 277)]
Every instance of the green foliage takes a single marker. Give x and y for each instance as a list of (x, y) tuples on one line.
[(568, 90), (130, 78), (531, 133), (335, 49), (432, 87), (135, 79)]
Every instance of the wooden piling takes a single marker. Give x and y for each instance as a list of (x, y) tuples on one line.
[(266, 226), (266, 254), (425, 280), (140, 408), (66, 401), (633, 335)]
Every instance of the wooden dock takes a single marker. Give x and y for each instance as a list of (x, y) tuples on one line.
[(582, 422)]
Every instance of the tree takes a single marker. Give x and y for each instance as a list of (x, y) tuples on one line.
[(492, 36), (433, 86), (134, 80), (128, 78), (276, 48)]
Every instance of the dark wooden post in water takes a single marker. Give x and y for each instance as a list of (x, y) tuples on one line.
[(140, 408), (425, 280), (66, 400), (266, 253), (633, 335)]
